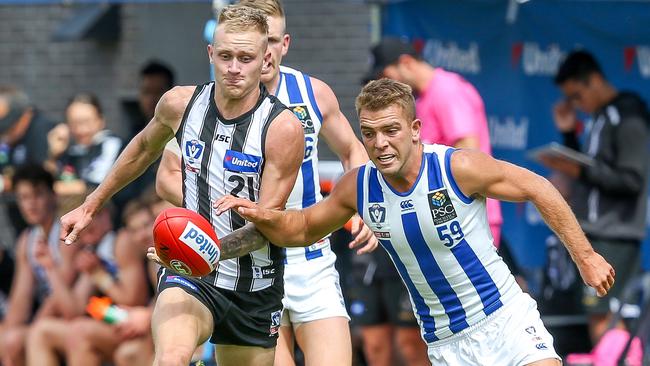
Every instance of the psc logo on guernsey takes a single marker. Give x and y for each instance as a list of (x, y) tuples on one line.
[(240, 162), (198, 240)]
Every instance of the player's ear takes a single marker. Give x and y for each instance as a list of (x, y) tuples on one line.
[(210, 54), (416, 125), (286, 41)]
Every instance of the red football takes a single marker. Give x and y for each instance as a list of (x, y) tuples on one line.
[(186, 242)]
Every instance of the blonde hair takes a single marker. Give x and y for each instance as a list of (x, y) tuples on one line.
[(272, 8), (236, 18), (380, 94)]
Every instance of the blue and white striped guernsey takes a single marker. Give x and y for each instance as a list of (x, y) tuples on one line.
[(440, 242), (296, 92)]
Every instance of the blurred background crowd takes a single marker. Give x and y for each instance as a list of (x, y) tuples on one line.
[(80, 78)]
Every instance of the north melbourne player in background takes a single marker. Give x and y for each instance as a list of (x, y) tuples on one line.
[(238, 306), (313, 302), (426, 203)]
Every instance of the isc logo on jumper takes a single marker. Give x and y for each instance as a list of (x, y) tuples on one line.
[(240, 162), (442, 210), (198, 240), (193, 153)]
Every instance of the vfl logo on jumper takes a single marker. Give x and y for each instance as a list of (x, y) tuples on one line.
[(200, 242), (442, 210), (240, 162), (406, 205), (275, 322), (302, 112), (193, 153), (377, 215)]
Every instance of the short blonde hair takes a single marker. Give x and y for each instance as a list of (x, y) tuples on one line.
[(380, 94), (236, 18), (272, 8)]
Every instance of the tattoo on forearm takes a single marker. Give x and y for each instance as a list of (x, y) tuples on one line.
[(241, 241)]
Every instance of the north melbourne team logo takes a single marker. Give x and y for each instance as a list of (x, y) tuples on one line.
[(442, 210), (302, 112)]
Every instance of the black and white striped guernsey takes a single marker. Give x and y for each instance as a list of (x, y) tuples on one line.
[(226, 156)]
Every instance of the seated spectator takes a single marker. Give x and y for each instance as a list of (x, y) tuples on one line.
[(30, 295), (23, 131), (117, 271), (82, 150)]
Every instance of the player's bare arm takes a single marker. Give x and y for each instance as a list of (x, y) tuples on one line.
[(479, 174), (169, 185), (141, 151), (340, 138), (296, 228)]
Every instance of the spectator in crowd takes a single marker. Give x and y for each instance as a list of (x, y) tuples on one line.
[(608, 196), (84, 150), (30, 294), (380, 305), (155, 79), (23, 131), (450, 108), (110, 265)]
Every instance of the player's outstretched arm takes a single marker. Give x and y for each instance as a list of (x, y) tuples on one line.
[(479, 174), (295, 228), (143, 149)]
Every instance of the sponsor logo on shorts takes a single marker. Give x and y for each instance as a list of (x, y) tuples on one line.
[(240, 162), (541, 346), (275, 322), (262, 272), (201, 242), (531, 330), (180, 267), (181, 281), (442, 209)]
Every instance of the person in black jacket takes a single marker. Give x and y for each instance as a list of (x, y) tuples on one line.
[(609, 197)]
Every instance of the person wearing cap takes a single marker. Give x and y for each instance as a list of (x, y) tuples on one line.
[(450, 108)]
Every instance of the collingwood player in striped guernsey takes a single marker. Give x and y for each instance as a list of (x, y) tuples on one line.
[(426, 204), (236, 139), (313, 301)]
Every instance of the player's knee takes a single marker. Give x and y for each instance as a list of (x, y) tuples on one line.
[(174, 357)]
